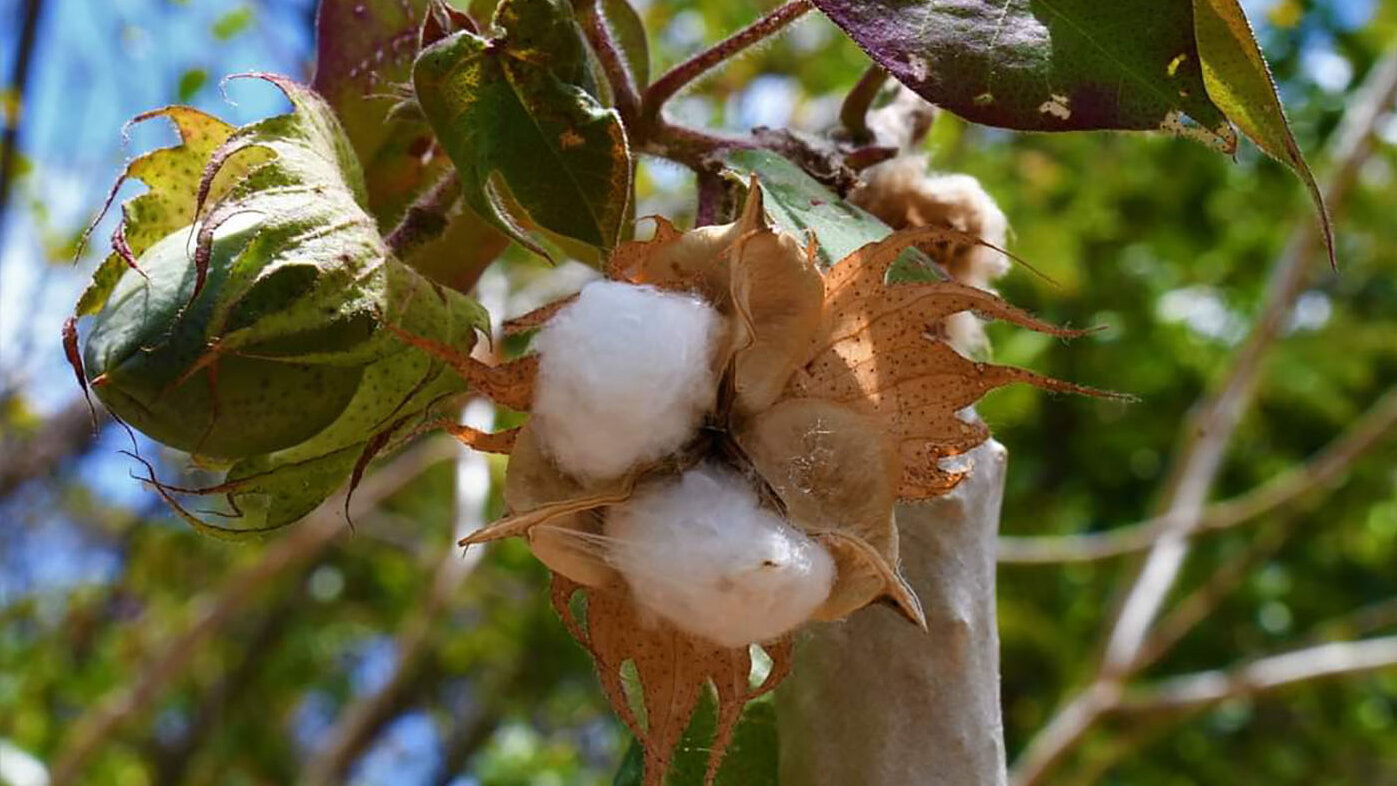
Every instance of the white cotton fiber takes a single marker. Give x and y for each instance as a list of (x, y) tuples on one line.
[(625, 377), (702, 553)]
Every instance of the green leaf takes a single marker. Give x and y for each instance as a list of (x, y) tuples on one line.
[(798, 203), (1044, 65), (1239, 81), (751, 758), (233, 23), (191, 82), (518, 123)]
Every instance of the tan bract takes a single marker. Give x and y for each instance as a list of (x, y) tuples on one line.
[(903, 195)]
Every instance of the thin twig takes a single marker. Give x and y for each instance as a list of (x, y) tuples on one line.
[(19, 84), (1343, 658), (698, 150), (853, 113), (624, 92), (676, 78), (1209, 432), (1321, 471), (1199, 604), (304, 541)]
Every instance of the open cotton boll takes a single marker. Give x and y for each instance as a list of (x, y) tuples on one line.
[(703, 554), (625, 376)]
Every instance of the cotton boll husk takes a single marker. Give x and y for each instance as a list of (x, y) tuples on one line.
[(625, 377), (702, 553)]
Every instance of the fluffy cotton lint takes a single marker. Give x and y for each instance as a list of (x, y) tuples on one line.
[(625, 377), (702, 553)]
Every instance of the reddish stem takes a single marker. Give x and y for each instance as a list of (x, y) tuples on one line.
[(676, 78)]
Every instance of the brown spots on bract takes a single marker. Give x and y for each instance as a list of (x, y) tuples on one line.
[(673, 669), (877, 355), (510, 384), (483, 441), (538, 317)]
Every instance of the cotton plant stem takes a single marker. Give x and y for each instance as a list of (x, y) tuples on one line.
[(676, 78), (875, 701), (613, 61), (853, 113), (1320, 472), (1206, 437), (307, 539)]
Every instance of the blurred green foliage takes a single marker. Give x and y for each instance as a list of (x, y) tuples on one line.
[(1161, 240)]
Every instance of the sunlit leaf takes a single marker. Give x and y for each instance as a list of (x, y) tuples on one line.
[(1239, 81)]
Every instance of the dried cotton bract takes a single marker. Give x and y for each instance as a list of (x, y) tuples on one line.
[(625, 376), (904, 196), (704, 554), (833, 396)]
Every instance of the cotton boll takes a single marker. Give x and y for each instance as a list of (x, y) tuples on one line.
[(703, 554), (625, 377)]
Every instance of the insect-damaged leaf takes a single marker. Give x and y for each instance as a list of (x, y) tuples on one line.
[(1043, 65), (1239, 81), (515, 117), (172, 176)]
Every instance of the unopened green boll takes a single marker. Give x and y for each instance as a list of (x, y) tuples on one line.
[(149, 358)]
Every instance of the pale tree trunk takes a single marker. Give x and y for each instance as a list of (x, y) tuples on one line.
[(875, 701)]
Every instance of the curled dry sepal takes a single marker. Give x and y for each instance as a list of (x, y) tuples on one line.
[(246, 315), (830, 399)]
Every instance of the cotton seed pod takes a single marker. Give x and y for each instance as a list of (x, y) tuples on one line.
[(835, 400), (147, 351)]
